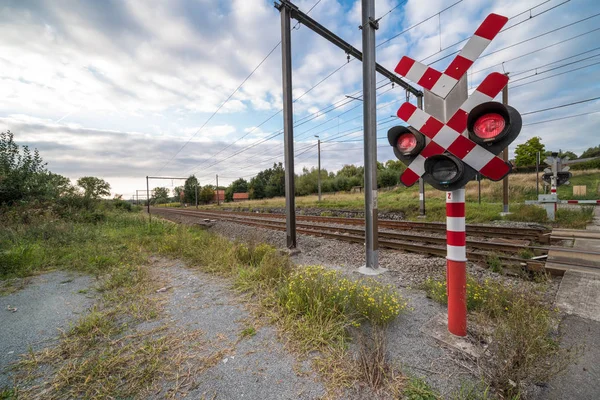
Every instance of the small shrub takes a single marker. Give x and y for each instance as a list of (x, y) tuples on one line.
[(489, 297), (526, 254), (471, 391), (493, 261), (418, 389), (377, 303), (523, 348), (577, 219), (323, 305), (248, 332)]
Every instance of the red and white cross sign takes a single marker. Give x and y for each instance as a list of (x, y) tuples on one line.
[(449, 136), (442, 83)]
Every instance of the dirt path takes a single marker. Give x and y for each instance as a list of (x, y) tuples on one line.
[(33, 317), (255, 366)]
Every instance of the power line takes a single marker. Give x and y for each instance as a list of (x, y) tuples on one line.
[(555, 75), (392, 9), (554, 62), (234, 92), (271, 136), (536, 51), (560, 106), (417, 24), (561, 118), (513, 45), (221, 106)]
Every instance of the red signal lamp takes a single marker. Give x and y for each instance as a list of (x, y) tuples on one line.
[(406, 141), (489, 126), (493, 125)]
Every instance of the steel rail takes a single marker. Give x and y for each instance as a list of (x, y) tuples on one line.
[(537, 234), (396, 245)]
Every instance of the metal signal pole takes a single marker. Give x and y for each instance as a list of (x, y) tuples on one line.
[(288, 126), (218, 202), (537, 174), (148, 197), (196, 194), (421, 181), (319, 165), (369, 25), (505, 158)]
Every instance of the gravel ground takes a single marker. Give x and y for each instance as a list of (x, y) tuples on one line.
[(580, 380), (43, 308), (256, 367), (408, 345)]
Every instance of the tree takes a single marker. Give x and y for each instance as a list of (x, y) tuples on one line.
[(161, 195), (387, 178), (23, 174), (591, 152), (189, 190), (206, 195), (237, 186), (526, 153), (570, 154), (93, 188), (177, 193)]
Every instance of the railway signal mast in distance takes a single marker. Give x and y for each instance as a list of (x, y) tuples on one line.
[(448, 153)]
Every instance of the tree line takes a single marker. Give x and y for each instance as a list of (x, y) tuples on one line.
[(24, 178), (526, 153)]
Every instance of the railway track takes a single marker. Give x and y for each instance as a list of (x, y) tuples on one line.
[(537, 234), (393, 240), (395, 236)]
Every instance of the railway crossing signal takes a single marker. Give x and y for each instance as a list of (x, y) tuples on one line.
[(556, 175), (442, 156), (448, 154)]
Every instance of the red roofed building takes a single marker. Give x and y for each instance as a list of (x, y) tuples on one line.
[(221, 194), (240, 196)]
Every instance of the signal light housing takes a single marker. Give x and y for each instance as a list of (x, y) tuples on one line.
[(491, 125), (494, 126), (406, 141)]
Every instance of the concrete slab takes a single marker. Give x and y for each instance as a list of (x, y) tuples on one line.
[(595, 225), (581, 380), (437, 327), (579, 294)]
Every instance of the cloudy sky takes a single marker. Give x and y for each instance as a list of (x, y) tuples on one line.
[(123, 89)]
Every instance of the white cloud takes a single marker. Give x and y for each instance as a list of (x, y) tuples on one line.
[(116, 88)]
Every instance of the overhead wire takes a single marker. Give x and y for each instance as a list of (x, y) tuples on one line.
[(235, 91), (503, 30), (561, 118), (553, 76), (536, 51), (560, 106), (221, 106)]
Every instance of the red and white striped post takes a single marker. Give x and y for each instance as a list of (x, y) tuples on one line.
[(553, 191), (456, 262)]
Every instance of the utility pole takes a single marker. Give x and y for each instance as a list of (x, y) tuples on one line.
[(537, 174), (196, 194), (148, 198), (218, 202), (288, 126), (369, 25), (421, 181), (319, 165), (505, 158)]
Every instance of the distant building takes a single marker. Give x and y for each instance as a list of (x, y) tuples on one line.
[(221, 194), (240, 196)]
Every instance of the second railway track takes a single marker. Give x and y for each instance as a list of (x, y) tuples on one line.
[(393, 240)]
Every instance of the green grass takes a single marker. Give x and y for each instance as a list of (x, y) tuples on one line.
[(406, 200), (92, 360), (520, 329), (418, 389)]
